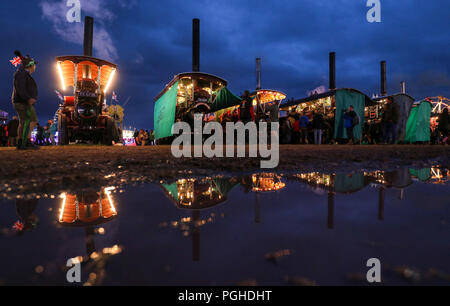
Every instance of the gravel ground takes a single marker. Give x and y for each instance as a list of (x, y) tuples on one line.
[(55, 169)]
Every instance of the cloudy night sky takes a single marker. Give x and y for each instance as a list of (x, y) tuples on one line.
[(151, 42)]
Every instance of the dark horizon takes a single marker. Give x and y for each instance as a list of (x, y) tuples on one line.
[(153, 42)]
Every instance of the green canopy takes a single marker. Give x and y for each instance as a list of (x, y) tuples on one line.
[(223, 185), (224, 99), (344, 98), (172, 189), (423, 174), (418, 125), (164, 115), (344, 183)]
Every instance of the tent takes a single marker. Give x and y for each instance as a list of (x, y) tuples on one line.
[(404, 103), (418, 125)]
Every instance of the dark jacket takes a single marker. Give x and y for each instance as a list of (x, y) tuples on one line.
[(444, 121), (246, 111), (318, 122), (13, 125), (24, 87)]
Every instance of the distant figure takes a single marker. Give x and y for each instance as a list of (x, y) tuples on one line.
[(444, 125), (296, 130), (152, 138), (303, 124), (13, 126), (246, 111), (389, 121), (318, 125), (351, 119), (136, 136), (274, 111), (39, 135)]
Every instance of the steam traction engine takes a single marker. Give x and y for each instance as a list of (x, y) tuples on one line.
[(82, 116)]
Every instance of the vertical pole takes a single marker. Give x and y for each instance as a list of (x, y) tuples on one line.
[(332, 70), (258, 73), (383, 78), (381, 204), (330, 210), (196, 45)]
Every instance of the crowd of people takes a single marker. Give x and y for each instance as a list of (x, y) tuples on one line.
[(144, 137), (44, 135)]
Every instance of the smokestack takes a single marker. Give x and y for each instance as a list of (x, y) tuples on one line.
[(88, 35), (196, 45), (332, 70), (403, 87), (383, 78), (258, 73)]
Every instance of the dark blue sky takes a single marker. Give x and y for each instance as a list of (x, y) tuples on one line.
[(151, 42)]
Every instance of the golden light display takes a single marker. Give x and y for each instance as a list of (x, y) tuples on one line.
[(267, 96), (267, 182), (439, 104)]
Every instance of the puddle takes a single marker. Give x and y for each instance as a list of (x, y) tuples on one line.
[(262, 229)]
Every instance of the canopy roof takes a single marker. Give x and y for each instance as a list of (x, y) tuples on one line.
[(268, 95), (378, 99), (196, 75), (68, 64), (368, 100)]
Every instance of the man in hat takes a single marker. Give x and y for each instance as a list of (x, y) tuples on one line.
[(24, 97)]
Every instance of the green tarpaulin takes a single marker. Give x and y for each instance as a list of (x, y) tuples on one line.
[(344, 183), (423, 174), (224, 99), (418, 125), (164, 115), (172, 189), (344, 98)]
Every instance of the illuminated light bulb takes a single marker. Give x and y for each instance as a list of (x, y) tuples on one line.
[(111, 77)]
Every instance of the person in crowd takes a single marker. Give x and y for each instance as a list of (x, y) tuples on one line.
[(25, 92), (3, 135), (152, 138), (389, 122), (285, 131), (12, 127), (274, 111), (246, 110), (52, 129), (146, 138), (444, 125), (303, 124), (318, 125), (46, 136), (39, 135), (296, 130), (351, 119), (141, 138), (136, 137)]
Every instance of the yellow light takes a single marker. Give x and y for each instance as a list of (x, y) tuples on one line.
[(110, 80), (58, 65), (63, 196)]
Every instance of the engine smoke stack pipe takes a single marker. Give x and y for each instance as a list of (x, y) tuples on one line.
[(383, 79), (332, 70), (258, 73), (403, 87), (196, 45), (88, 35)]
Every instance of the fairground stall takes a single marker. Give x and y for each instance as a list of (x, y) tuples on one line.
[(439, 104), (332, 105), (188, 94), (404, 103), (418, 127), (261, 99)]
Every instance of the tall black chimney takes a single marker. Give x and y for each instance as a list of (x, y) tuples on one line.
[(196, 45), (258, 73), (383, 79), (88, 35), (332, 70)]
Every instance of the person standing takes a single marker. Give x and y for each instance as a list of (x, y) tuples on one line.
[(351, 119), (389, 121), (303, 124), (246, 110), (318, 125), (13, 126), (25, 92)]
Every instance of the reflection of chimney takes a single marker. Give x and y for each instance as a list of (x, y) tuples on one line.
[(196, 45), (332, 70), (257, 210), (90, 243), (383, 79), (381, 204), (330, 210), (258, 73), (195, 236), (403, 87), (88, 35)]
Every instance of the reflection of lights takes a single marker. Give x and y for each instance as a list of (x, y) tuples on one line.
[(111, 203), (268, 182), (63, 86), (64, 197)]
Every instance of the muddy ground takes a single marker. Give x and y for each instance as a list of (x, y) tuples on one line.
[(55, 169)]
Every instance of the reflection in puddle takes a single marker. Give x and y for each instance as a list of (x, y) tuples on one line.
[(222, 217)]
